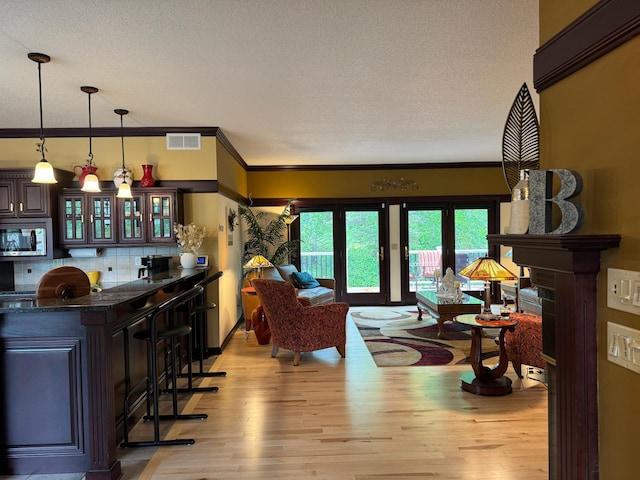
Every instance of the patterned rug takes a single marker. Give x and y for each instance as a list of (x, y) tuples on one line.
[(395, 337)]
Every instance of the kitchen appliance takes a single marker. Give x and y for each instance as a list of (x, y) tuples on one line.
[(23, 239), (155, 266)]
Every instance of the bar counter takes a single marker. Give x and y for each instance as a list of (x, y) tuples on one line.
[(64, 368)]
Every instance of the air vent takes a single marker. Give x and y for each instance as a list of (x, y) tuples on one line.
[(183, 141)]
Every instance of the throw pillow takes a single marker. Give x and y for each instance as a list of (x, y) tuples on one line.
[(304, 280)]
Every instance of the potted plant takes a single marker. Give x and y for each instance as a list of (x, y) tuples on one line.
[(265, 234)]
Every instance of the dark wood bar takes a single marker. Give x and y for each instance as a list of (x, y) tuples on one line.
[(64, 374)]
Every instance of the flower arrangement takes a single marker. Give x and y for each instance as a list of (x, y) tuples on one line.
[(189, 237)]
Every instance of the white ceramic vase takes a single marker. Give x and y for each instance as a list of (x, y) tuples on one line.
[(188, 260), (119, 177)]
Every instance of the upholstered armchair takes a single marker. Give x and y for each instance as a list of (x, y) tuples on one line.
[(297, 326), (524, 344)]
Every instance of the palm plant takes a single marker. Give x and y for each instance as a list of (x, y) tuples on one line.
[(265, 234)]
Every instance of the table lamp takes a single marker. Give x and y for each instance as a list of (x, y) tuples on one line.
[(488, 270), (258, 262)]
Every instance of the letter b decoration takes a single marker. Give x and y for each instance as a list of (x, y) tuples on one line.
[(542, 199)]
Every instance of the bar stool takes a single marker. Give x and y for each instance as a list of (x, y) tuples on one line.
[(196, 318), (153, 335)]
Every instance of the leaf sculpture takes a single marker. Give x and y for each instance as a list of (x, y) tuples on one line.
[(520, 141)]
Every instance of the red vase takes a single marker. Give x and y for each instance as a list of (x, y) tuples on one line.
[(147, 179), (261, 325)]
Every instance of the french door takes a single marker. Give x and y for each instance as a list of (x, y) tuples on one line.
[(347, 243), (437, 237)]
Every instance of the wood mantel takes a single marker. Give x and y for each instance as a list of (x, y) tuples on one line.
[(565, 270)]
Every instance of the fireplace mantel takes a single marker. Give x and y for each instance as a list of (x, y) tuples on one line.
[(565, 270)]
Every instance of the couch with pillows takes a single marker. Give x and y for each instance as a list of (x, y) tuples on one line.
[(319, 291)]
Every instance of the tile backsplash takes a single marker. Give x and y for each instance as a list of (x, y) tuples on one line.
[(114, 264)]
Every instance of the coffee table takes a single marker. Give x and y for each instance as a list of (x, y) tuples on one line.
[(443, 309), (484, 380)]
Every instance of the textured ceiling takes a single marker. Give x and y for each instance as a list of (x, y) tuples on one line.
[(290, 82)]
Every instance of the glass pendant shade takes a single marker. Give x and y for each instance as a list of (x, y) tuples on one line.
[(44, 173), (91, 184), (44, 170), (124, 191)]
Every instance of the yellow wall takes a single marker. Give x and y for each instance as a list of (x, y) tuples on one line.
[(589, 123), (564, 12), (64, 153), (357, 183)]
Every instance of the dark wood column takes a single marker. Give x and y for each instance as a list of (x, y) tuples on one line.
[(565, 269)]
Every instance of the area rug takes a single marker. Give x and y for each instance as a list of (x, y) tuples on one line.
[(395, 337)]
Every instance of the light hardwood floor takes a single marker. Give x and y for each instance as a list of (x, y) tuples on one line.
[(345, 419), (333, 418)]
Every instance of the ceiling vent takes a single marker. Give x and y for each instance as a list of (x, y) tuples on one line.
[(183, 141)]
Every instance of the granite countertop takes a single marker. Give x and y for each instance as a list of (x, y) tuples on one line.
[(23, 298)]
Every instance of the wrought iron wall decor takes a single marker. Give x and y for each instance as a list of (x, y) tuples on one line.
[(394, 184), (520, 141)]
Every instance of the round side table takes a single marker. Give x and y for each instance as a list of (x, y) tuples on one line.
[(484, 380)]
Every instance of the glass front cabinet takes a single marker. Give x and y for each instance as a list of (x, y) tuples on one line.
[(149, 216), (87, 218), (101, 219)]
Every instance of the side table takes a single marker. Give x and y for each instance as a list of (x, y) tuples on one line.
[(250, 301), (484, 380)]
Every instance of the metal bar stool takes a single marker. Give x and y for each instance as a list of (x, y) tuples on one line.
[(153, 335), (196, 317)]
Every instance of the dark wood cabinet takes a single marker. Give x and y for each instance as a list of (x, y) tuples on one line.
[(149, 217), (565, 269), (21, 198), (102, 219), (87, 218)]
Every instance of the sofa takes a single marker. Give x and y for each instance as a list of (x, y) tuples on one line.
[(319, 291)]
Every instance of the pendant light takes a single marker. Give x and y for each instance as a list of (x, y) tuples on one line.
[(44, 171), (91, 183), (124, 190)]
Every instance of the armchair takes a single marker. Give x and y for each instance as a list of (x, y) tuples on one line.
[(297, 326), (524, 344)]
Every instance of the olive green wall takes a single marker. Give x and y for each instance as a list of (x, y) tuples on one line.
[(589, 123), (357, 183)]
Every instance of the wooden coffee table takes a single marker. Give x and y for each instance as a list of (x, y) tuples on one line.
[(484, 380), (445, 310)]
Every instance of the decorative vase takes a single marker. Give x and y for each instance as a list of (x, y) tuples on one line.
[(261, 325), (147, 179), (519, 218), (84, 171), (121, 175), (188, 260)]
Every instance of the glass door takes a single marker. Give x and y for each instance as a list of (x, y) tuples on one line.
[(364, 266), (348, 244), (441, 236)]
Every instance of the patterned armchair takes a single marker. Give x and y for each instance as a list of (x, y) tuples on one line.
[(524, 344), (297, 326)]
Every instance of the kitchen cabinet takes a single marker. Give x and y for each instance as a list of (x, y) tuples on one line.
[(149, 216), (21, 198), (87, 218)]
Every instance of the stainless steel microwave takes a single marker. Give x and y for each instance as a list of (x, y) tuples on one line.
[(23, 239)]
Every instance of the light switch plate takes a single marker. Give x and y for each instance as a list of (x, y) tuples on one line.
[(623, 346), (623, 290)]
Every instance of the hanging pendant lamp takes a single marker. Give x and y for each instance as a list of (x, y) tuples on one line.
[(91, 183), (44, 171), (124, 190)]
